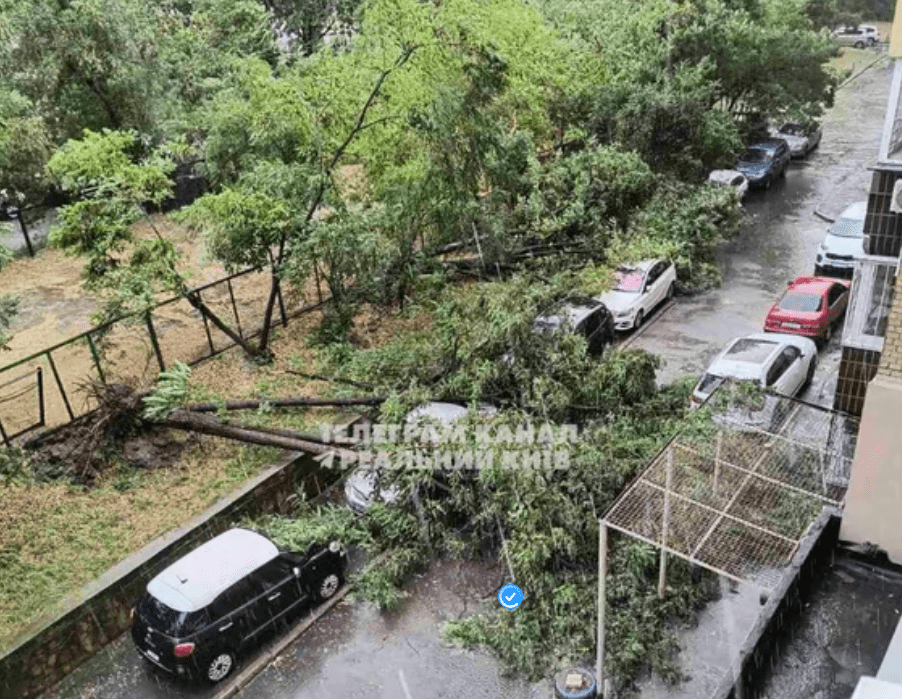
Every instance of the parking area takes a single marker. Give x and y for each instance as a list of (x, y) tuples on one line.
[(356, 651)]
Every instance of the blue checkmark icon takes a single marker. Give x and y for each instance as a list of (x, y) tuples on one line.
[(510, 596)]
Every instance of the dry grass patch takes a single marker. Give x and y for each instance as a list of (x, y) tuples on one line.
[(55, 538)]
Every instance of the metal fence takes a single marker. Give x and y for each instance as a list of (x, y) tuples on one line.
[(137, 346)]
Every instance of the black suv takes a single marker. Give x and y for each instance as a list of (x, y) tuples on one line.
[(224, 597), (584, 316), (765, 161)]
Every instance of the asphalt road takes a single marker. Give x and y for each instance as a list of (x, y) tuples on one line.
[(778, 242), (354, 651)]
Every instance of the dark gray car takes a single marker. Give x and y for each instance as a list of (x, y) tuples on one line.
[(764, 161)]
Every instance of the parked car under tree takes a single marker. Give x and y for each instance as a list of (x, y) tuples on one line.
[(225, 597), (637, 290), (801, 138), (764, 161), (778, 362)]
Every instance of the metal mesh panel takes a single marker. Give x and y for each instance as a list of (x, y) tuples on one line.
[(741, 498)]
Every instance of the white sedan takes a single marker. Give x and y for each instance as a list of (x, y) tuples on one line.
[(730, 178), (802, 138), (638, 289), (778, 362)]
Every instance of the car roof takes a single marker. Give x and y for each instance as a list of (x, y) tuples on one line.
[(196, 579), (574, 310), (811, 285), (445, 413)]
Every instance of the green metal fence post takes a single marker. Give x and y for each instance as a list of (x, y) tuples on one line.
[(96, 355), (59, 384)]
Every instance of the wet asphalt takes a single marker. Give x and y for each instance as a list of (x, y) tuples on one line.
[(778, 241), (355, 651)]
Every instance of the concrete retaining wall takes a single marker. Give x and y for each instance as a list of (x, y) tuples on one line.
[(101, 611), (763, 644)]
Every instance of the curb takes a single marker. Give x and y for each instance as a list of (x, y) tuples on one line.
[(246, 676), (260, 663)]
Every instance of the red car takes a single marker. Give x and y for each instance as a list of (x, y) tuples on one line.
[(810, 306)]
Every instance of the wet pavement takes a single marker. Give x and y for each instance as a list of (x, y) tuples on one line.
[(842, 634), (353, 651), (779, 240), (709, 646)]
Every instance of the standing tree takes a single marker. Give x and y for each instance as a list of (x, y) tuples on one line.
[(114, 184)]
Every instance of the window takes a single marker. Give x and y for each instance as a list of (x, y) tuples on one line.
[(836, 291), (749, 350), (755, 155), (802, 303), (273, 573), (881, 301), (781, 364), (736, 181), (709, 382), (628, 280), (869, 303), (234, 597), (591, 323)]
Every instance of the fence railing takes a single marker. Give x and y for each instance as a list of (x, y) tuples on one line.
[(135, 346)]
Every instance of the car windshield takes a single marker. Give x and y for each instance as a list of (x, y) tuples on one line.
[(754, 155), (848, 228), (751, 350), (792, 129), (803, 303), (709, 383), (547, 324), (162, 618), (628, 280), (738, 180)]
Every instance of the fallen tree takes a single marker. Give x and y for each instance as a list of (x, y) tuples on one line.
[(254, 404)]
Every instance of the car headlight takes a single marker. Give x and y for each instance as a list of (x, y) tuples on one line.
[(625, 314)]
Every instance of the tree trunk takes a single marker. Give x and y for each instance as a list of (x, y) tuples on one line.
[(196, 302), (263, 347), (283, 403), (182, 420)]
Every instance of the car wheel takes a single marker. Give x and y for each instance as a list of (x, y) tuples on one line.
[(220, 666), (859, 44), (640, 318), (328, 586), (828, 334), (767, 183), (783, 171)]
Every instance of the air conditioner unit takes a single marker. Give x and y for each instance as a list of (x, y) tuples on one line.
[(895, 204)]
